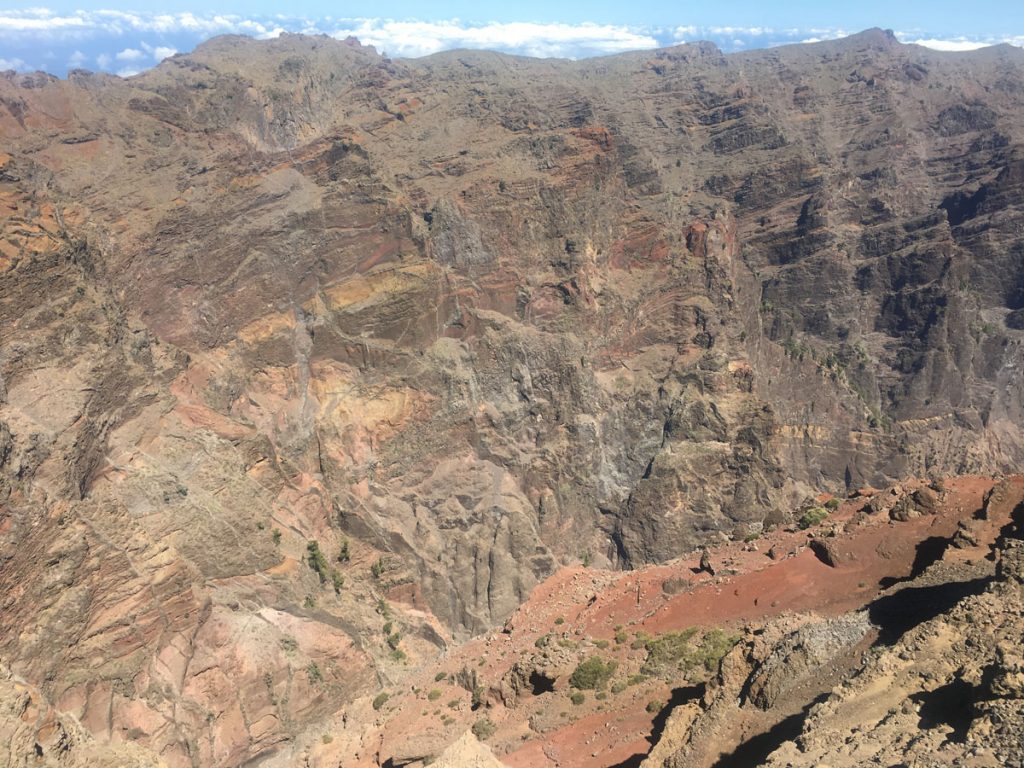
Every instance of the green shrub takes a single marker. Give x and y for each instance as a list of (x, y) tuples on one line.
[(602, 644), (439, 677), (620, 637), (483, 729), (670, 653), (313, 673), (378, 568), (592, 673), (640, 640), (618, 686), (276, 536), (343, 554), (713, 647), (317, 561), (673, 652), (434, 695), (337, 581), (577, 698), (832, 504), (655, 706), (559, 621), (381, 700), (812, 517)]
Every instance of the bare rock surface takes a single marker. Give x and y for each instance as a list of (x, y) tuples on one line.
[(315, 364)]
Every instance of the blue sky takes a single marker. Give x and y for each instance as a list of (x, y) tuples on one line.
[(125, 39)]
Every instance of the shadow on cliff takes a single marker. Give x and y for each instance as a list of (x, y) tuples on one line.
[(755, 750), (679, 696), (901, 611)]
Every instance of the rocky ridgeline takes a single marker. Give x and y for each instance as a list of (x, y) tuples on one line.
[(464, 319)]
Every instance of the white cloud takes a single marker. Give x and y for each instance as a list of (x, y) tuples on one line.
[(129, 54), (103, 60), (43, 21), (419, 38), (128, 72), (76, 59), (948, 45), (682, 33), (18, 64), (162, 52), (734, 31), (22, 21)]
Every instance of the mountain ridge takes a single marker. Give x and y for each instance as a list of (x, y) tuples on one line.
[(466, 323)]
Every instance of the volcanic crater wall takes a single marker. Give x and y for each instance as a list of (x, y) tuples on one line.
[(475, 315)]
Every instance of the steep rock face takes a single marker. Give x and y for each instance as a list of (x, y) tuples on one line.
[(470, 315)]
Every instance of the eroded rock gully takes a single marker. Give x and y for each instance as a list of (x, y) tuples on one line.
[(463, 321)]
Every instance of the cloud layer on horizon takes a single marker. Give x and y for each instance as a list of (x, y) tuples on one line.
[(127, 42)]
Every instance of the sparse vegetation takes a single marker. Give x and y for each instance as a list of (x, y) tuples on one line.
[(654, 705), (343, 553), (577, 698), (317, 561), (380, 700), (592, 673), (434, 694), (832, 504), (439, 677), (483, 728), (378, 568), (640, 641), (337, 581), (276, 535), (673, 652), (309, 602), (313, 673), (812, 517)]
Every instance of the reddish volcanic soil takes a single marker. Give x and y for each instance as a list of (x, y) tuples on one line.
[(582, 608)]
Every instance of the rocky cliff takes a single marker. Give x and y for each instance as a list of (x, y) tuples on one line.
[(300, 342)]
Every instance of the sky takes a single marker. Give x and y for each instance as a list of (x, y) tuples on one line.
[(127, 38)]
